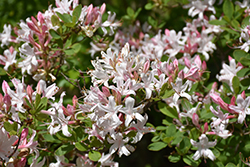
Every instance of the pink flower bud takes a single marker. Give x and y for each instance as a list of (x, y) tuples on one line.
[(5, 87), (74, 101), (197, 61), (195, 120), (217, 99), (187, 62), (40, 17), (106, 91), (29, 91), (175, 63), (11, 49), (1, 101), (230, 58), (70, 109), (7, 101), (233, 99), (167, 32), (204, 66), (103, 8), (205, 127), (243, 95)]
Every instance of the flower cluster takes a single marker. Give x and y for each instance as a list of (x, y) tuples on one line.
[(135, 74)]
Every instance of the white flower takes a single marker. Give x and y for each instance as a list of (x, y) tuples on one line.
[(199, 7), (228, 72), (203, 148), (8, 58), (29, 63), (119, 144), (242, 108), (131, 112), (180, 90), (6, 142), (5, 37), (58, 117)]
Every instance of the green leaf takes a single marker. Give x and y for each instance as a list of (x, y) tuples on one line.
[(167, 121), (236, 84), (230, 165), (76, 47), (167, 110), (77, 12), (219, 164), (194, 133), (245, 21), (174, 158), (64, 149), (157, 146), (50, 138), (94, 155), (228, 8), (190, 161), (216, 152), (185, 145), (168, 93), (55, 20), (171, 130), (66, 18), (2, 71), (238, 54), (243, 72), (245, 83), (165, 2), (149, 6), (28, 102), (81, 147), (12, 128), (152, 21), (156, 138), (42, 105), (167, 139), (130, 12), (218, 22), (137, 12), (245, 61), (38, 100), (54, 34), (159, 128), (177, 138), (96, 143), (235, 24)]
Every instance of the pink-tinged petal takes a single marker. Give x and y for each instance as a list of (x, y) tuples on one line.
[(40, 18), (243, 95), (181, 74), (187, 62), (197, 61), (204, 66), (167, 32), (195, 120), (103, 8), (5, 87), (205, 127), (217, 99)]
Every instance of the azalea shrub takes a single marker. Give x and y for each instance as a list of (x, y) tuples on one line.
[(81, 85)]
